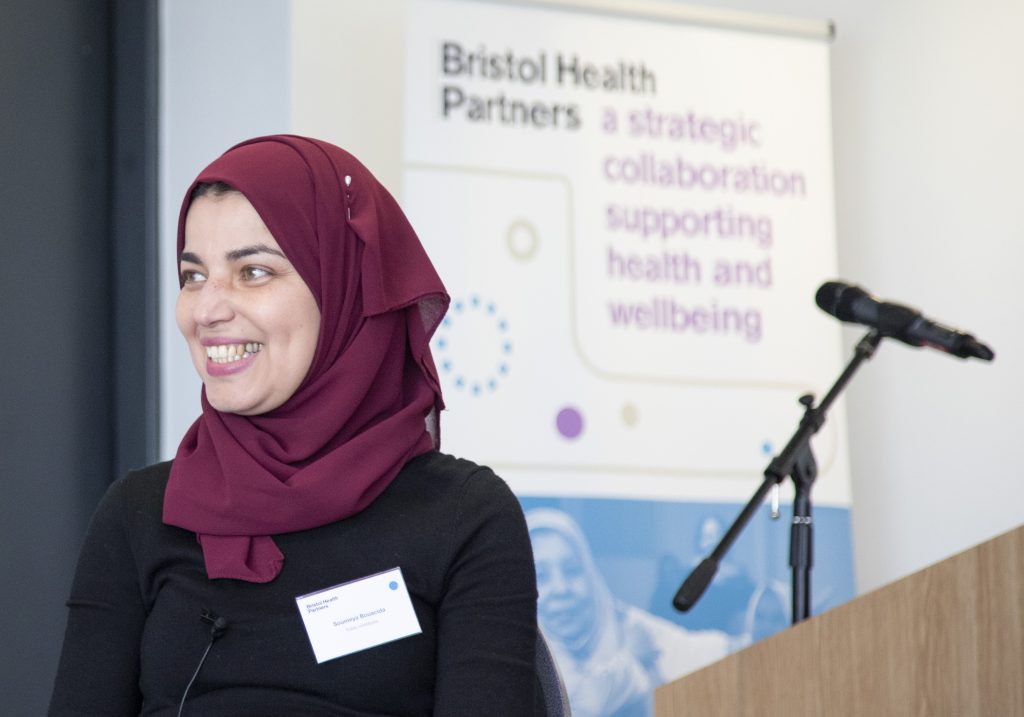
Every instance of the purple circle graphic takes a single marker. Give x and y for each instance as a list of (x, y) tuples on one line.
[(569, 422)]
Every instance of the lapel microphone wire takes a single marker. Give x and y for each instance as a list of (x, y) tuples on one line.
[(218, 626)]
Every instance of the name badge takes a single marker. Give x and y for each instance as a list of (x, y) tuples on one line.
[(358, 615)]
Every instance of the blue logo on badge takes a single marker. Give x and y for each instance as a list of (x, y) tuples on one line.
[(393, 585)]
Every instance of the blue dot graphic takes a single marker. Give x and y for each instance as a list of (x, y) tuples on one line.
[(393, 585), (474, 345)]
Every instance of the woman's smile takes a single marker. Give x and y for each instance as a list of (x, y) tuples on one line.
[(225, 359)]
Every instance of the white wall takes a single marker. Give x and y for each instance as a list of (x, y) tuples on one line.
[(223, 78), (927, 103)]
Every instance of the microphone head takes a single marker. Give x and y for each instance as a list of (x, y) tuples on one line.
[(836, 299), (220, 626)]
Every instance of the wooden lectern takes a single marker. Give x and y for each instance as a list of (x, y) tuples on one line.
[(948, 640)]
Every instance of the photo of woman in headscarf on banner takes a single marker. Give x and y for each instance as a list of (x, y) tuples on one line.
[(611, 654)]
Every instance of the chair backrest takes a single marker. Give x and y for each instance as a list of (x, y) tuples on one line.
[(556, 699)]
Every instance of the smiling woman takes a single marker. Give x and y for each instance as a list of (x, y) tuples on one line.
[(250, 321), (311, 488)]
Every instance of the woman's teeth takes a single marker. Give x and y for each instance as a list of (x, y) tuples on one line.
[(226, 353)]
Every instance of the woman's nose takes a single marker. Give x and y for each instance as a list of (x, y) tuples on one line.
[(556, 582), (213, 304)]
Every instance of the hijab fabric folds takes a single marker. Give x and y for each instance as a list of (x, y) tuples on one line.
[(361, 412)]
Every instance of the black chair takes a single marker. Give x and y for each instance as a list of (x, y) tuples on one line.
[(556, 699)]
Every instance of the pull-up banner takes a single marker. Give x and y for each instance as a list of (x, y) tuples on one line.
[(632, 218)]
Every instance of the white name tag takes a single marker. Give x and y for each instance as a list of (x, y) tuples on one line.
[(354, 616)]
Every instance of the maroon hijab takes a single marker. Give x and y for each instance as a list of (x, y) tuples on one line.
[(359, 415)]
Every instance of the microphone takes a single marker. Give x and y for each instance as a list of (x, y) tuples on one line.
[(852, 304), (218, 625)]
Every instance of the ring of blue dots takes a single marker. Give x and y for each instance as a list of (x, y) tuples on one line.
[(475, 380)]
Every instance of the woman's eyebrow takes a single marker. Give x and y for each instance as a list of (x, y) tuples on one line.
[(236, 254)]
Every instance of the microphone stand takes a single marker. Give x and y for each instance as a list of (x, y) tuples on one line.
[(796, 460)]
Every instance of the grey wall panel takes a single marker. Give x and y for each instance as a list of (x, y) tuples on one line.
[(64, 285)]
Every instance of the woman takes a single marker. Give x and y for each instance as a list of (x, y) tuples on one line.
[(307, 304), (611, 654)]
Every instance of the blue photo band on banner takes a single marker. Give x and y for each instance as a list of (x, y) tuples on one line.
[(607, 571)]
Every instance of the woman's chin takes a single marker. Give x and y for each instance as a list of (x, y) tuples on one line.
[(231, 402), (568, 628)]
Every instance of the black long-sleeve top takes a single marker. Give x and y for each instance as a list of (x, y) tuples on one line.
[(135, 633)]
